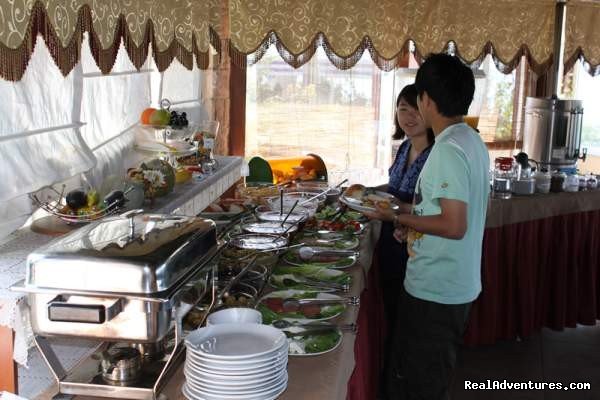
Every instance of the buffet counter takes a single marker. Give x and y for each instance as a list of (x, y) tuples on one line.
[(15, 335), (540, 266), (326, 376)]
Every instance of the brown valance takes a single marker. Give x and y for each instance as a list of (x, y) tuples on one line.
[(582, 36), (173, 28), (507, 29), (184, 30)]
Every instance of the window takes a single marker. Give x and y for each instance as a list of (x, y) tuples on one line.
[(346, 117), (580, 85), (494, 102)]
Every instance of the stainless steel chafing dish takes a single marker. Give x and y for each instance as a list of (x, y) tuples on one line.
[(127, 279)]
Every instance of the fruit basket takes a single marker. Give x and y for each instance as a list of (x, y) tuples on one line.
[(56, 203)]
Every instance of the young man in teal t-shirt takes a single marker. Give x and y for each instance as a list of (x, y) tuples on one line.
[(444, 230)]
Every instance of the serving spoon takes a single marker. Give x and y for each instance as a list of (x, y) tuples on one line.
[(292, 305), (317, 285), (283, 324), (306, 253)]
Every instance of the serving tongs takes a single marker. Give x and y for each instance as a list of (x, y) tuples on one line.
[(324, 192), (224, 293)]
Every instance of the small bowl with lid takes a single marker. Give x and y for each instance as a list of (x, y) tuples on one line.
[(269, 228), (267, 214), (245, 245)]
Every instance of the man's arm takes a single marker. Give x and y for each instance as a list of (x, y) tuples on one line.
[(450, 224)]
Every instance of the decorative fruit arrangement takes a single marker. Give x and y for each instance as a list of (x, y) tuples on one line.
[(164, 116), (80, 203), (157, 176)]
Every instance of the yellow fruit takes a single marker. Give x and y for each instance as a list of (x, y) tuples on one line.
[(182, 175)]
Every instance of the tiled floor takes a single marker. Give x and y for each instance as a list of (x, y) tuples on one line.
[(572, 355)]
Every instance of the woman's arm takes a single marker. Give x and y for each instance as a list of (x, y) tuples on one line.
[(382, 188)]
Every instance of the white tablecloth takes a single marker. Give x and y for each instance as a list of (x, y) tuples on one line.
[(188, 199)]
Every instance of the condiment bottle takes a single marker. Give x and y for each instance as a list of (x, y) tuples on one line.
[(504, 173), (592, 182), (557, 182), (572, 183), (542, 181)]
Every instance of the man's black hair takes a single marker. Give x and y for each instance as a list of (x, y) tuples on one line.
[(448, 82)]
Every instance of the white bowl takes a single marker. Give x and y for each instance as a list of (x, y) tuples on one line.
[(235, 315)]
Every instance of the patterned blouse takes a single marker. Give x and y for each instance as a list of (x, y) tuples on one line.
[(403, 178)]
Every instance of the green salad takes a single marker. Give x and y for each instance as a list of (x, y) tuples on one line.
[(322, 274), (269, 314), (321, 343), (329, 212), (312, 344)]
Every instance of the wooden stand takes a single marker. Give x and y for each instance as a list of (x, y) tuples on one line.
[(8, 368), (51, 225)]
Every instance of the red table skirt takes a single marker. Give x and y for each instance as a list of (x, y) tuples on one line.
[(368, 347), (542, 273)]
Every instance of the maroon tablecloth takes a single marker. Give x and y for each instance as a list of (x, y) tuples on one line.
[(368, 346), (540, 273)]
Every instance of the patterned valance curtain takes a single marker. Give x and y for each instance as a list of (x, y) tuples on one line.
[(507, 29), (582, 36), (184, 30), (172, 28)]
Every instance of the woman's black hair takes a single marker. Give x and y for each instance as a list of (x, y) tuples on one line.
[(409, 95)]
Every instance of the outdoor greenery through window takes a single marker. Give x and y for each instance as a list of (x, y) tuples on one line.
[(582, 86), (346, 117)]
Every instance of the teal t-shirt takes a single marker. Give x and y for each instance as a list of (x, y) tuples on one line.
[(444, 270)]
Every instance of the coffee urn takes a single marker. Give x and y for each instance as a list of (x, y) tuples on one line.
[(552, 131)]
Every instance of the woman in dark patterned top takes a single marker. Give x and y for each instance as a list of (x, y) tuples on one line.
[(404, 172)]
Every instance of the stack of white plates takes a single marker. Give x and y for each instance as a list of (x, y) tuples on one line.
[(236, 361)]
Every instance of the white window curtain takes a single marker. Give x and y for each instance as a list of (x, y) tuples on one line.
[(183, 88), (40, 142), (55, 129), (111, 106)]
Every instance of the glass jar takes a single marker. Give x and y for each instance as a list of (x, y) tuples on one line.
[(557, 182), (582, 182), (592, 182), (572, 183), (504, 174), (542, 181)]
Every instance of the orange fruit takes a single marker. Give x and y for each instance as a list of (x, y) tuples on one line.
[(145, 118)]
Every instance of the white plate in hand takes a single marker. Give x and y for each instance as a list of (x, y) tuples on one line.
[(358, 205)]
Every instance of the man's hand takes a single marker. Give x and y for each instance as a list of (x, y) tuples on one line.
[(401, 234), (381, 213)]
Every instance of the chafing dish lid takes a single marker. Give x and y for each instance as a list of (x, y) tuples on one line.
[(143, 253)]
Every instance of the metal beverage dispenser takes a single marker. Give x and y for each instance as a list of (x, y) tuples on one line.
[(552, 131)]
